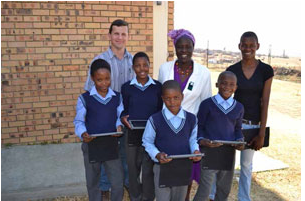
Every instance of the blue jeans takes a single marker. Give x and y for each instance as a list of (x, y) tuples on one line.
[(246, 157), (104, 182)]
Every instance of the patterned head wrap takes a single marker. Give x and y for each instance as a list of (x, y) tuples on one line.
[(176, 34)]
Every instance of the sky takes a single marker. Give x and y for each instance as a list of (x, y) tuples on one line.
[(222, 22)]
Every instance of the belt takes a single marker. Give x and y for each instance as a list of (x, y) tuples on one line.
[(245, 121)]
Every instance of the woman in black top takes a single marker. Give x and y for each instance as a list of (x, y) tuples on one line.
[(254, 79)]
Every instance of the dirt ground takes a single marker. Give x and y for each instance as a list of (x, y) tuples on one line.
[(285, 144)]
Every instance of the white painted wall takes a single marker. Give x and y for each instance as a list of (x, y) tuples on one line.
[(160, 27)]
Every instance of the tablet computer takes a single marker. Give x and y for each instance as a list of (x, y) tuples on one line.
[(185, 155), (137, 124), (175, 173), (218, 158), (103, 149), (228, 142), (249, 134), (106, 134)]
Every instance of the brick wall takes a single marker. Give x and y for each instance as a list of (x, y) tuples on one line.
[(46, 48)]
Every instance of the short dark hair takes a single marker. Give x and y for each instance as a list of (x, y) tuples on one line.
[(226, 73), (249, 34), (99, 64), (118, 23), (171, 84), (138, 55)]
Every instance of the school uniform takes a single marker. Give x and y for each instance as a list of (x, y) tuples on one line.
[(97, 114), (121, 72), (140, 102), (218, 119), (173, 135)]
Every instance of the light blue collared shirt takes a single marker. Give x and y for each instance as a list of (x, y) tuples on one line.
[(150, 81), (81, 111), (121, 70), (150, 134), (224, 103)]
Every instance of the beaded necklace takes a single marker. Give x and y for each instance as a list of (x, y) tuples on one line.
[(183, 73)]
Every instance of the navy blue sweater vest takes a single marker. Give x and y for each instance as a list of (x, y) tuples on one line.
[(141, 102), (215, 123), (170, 140), (101, 118)]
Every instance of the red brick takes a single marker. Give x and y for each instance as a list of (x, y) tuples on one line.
[(32, 31), (138, 3), (30, 99), (53, 56), (43, 50), (76, 25), (44, 138), (68, 31), (59, 37), (115, 7), (10, 4), (57, 12), (62, 74), (10, 141), (92, 25), (51, 132), (7, 38), (7, 25), (8, 118), (31, 5), (69, 140), (41, 25), (50, 31), (26, 128), (16, 44), (17, 123), (41, 12), (32, 18), (62, 61), (84, 19), (51, 43), (92, 13), (27, 139), (54, 80), (83, 6), (64, 97), (41, 104), (4, 136), (100, 7), (9, 130), (12, 19), (66, 6), (77, 37), (25, 117)]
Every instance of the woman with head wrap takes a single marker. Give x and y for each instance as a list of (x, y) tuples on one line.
[(194, 78)]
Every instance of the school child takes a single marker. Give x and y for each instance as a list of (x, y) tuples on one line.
[(141, 99), (172, 131), (98, 111), (219, 118)]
